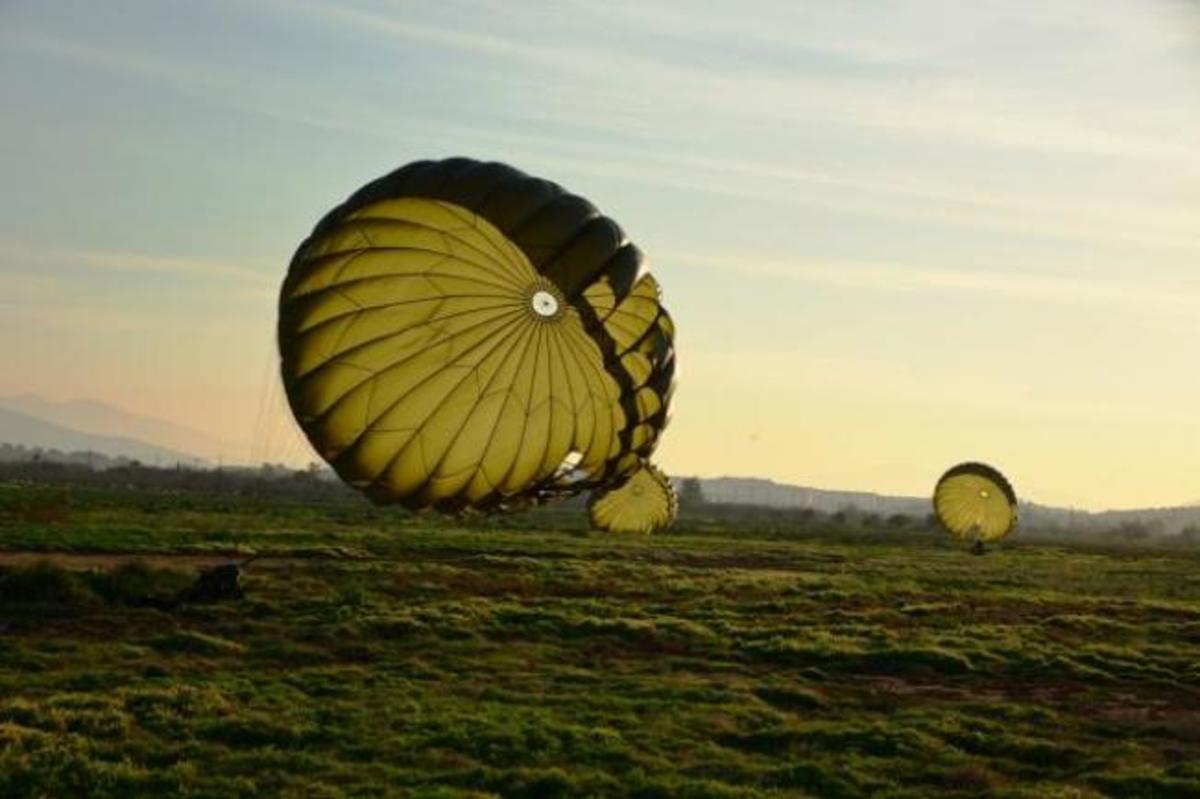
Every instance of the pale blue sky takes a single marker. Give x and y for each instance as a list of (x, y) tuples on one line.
[(894, 234)]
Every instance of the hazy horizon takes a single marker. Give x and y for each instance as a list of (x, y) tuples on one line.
[(301, 456), (894, 236)]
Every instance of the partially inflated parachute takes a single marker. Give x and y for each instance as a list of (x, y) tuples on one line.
[(460, 335), (643, 503), (975, 503)]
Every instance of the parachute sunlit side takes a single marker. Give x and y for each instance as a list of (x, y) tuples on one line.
[(458, 334), (975, 503)]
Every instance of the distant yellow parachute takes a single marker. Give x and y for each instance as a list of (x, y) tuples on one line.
[(975, 503), (459, 335)]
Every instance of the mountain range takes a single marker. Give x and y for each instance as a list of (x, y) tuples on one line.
[(757, 491), (29, 431), (83, 418)]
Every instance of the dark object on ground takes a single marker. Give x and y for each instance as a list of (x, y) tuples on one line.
[(133, 583), (977, 548), (218, 584)]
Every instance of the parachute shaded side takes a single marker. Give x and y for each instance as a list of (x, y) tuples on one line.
[(974, 502), (639, 344), (643, 503), (459, 334), (563, 235)]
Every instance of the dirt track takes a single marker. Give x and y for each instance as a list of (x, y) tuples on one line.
[(83, 561)]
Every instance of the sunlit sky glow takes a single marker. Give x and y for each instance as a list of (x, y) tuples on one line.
[(894, 235)]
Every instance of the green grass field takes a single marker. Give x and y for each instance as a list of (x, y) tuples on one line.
[(381, 654)]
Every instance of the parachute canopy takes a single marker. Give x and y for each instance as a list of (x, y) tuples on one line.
[(975, 503), (458, 334), (644, 503)]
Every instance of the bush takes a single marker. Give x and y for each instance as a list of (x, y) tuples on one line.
[(43, 583), (133, 583)]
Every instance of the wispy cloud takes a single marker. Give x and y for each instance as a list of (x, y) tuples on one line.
[(943, 108), (900, 193), (947, 110), (900, 277), (173, 69), (21, 288), (32, 263), (166, 264), (908, 195), (37, 302)]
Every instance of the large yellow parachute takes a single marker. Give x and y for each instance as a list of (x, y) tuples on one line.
[(459, 335), (975, 503)]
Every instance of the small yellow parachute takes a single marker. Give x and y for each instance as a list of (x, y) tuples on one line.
[(460, 335), (975, 503), (645, 502)]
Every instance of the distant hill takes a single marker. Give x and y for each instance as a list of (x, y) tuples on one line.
[(25, 430), (34, 422), (768, 493), (101, 419)]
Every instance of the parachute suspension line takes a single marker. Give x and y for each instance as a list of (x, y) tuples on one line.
[(297, 451), (257, 428), (276, 437), (268, 395), (286, 443)]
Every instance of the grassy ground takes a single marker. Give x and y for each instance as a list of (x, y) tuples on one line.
[(385, 655)]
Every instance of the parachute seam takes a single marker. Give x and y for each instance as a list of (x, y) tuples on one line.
[(496, 343), (484, 391), (334, 358), (427, 272), (333, 406), (525, 415), (600, 372), (582, 370), (496, 486), (516, 224), (607, 346), (559, 344), (514, 301), (485, 261), (489, 257)]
